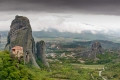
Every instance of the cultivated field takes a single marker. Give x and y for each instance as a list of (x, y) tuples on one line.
[(89, 66)]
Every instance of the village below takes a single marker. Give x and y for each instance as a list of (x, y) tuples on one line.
[(27, 57)]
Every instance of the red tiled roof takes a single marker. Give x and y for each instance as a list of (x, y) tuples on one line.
[(18, 48)]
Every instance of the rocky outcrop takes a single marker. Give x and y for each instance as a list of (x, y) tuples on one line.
[(20, 34), (95, 49), (40, 46)]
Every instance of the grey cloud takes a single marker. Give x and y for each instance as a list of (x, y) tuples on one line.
[(109, 7), (62, 16)]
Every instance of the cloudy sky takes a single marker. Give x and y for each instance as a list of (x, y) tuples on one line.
[(63, 15)]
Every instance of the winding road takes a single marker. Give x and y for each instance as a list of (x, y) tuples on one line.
[(100, 74)]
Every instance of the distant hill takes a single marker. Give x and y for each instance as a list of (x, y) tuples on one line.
[(104, 39), (56, 34), (4, 33), (84, 35), (104, 43)]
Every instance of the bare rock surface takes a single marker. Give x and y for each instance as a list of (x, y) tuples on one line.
[(20, 34), (40, 46)]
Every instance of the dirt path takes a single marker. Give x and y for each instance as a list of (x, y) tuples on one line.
[(100, 74)]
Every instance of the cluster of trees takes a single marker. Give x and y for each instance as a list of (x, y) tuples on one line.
[(112, 71), (107, 57), (11, 69)]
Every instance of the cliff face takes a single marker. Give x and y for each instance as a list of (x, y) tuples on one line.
[(40, 46), (20, 34)]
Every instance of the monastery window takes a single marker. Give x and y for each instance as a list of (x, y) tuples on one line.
[(13, 50)]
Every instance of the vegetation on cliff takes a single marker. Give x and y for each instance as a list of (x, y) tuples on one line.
[(11, 69)]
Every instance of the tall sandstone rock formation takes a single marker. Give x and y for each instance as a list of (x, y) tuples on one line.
[(20, 34), (95, 49), (40, 46)]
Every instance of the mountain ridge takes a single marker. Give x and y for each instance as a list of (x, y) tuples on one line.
[(85, 34)]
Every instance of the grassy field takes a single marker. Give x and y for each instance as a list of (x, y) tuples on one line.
[(89, 66)]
